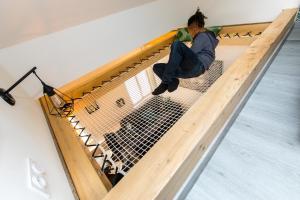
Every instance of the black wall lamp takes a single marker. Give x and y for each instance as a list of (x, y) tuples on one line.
[(58, 104)]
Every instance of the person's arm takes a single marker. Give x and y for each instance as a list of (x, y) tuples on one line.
[(199, 43)]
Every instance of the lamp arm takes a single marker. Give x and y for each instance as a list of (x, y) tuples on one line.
[(39, 78), (62, 105), (20, 80)]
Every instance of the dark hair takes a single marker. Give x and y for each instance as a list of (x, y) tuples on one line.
[(197, 18)]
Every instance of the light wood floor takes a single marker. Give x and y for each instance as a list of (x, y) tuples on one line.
[(259, 159)]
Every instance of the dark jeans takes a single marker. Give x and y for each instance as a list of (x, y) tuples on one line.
[(183, 63)]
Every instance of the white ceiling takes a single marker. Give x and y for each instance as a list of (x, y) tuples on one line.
[(26, 19)]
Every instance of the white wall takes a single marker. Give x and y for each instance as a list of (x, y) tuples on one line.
[(66, 55), (24, 134), (28, 19), (226, 12)]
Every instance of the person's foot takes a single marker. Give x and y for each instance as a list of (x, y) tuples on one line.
[(160, 89), (173, 85)]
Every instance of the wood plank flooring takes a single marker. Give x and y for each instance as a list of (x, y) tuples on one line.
[(259, 159)]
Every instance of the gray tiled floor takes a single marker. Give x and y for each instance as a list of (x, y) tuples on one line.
[(260, 156)]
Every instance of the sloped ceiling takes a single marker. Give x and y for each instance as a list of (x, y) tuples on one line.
[(27, 19)]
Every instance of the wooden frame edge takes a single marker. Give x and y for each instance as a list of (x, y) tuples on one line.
[(59, 151), (86, 83), (84, 177), (237, 34), (222, 133), (161, 172)]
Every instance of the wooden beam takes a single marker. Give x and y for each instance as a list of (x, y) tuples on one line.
[(161, 172), (256, 27), (87, 183), (86, 83), (243, 34)]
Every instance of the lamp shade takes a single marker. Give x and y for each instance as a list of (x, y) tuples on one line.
[(58, 104)]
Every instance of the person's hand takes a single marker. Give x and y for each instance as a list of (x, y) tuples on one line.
[(188, 44)]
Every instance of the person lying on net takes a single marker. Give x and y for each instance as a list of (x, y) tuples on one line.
[(185, 62)]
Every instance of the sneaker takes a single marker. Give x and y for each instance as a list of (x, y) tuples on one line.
[(173, 85), (160, 89)]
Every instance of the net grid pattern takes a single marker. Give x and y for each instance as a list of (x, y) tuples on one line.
[(118, 137)]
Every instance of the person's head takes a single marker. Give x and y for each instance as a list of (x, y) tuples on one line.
[(196, 23)]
